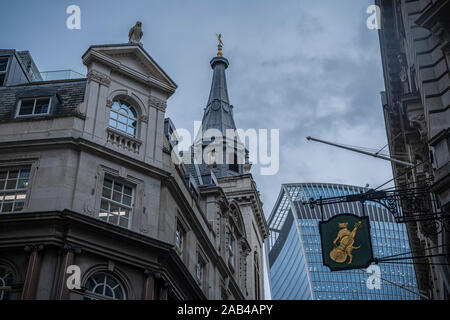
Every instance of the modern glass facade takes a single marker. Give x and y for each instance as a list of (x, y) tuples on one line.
[(294, 252)]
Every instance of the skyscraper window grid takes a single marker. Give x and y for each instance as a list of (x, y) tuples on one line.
[(295, 263)]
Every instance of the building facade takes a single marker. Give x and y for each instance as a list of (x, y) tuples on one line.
[(87, 179), (294, 254), (415, 48)]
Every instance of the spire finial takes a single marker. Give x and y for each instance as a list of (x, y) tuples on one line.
[(220, 46)]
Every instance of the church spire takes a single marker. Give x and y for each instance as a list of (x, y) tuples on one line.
[(219, 116), (218, 111)]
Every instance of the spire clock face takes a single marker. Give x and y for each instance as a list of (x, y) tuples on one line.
[(216, 106)]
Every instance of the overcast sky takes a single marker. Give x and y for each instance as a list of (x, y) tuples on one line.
[(306, 67)]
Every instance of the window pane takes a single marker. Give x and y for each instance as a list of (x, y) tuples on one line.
[(23, 183), (107, 193), (114, 214), (123, 119), (122, 127), (21, 196), (125, 213), (2, 184), (112, 124), (11, 184), (118, 292), (3, 175), (99, 290), (19, 206), (7, 207), (109, 293), (131, 131), (127, 200), (3, 64), (118, 187), (108, 183), (115, 106), (26, 107), (128, 191), (13, 174), (124, 223), (2, 78), (90, 284), (42, 106), (111, 282), (103, 210), (123, 110), (117, 196), (24, 174)]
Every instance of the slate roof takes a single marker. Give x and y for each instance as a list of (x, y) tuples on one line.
[(70, 92)]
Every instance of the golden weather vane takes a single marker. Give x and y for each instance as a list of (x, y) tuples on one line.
[(220, 46)]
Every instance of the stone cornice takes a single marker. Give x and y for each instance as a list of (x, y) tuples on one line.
[(88, 146)]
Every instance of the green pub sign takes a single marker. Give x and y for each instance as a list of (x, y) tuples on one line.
[(346, 242)]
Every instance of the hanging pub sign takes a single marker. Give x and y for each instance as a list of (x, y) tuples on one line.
[(346, 242)]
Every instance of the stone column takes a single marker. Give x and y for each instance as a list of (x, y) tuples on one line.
[(69, 251), (164, 292), (32, 276), (149, 286)]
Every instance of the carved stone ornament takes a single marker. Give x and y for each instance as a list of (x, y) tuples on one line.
[(157, 103), (143, 119), (99, 77)]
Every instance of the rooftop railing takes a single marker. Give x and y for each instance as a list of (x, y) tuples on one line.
[(61, 75)]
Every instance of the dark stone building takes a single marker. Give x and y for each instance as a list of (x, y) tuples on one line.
[(415, 47)]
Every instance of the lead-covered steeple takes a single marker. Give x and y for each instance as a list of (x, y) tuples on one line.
[(218, 112), (227, 159)]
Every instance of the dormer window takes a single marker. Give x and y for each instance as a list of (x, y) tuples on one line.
[(33, 107), (123, 118), (3, 69)]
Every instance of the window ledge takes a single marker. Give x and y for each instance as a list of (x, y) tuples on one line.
[(123, 141)]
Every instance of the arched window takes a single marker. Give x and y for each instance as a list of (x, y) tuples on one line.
[(123, 118), (6, 280), (103, 285)]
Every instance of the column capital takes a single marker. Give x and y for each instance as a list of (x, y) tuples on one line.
[(70, 247), (33, 247)]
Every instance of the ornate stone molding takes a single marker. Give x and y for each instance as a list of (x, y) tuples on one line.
[(109, 103), (157, 103), (143, 119), (99, 77)]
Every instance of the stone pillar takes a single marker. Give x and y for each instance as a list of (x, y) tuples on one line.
[(164, 292), (32, 275), (149, 286), (69, 251)]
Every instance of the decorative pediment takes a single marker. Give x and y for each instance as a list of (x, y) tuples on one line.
[(132, 61)]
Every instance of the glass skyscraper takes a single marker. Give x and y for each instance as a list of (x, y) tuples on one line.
[(294, 254)]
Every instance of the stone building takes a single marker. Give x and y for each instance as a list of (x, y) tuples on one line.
[(86, 179), (415, 47)]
